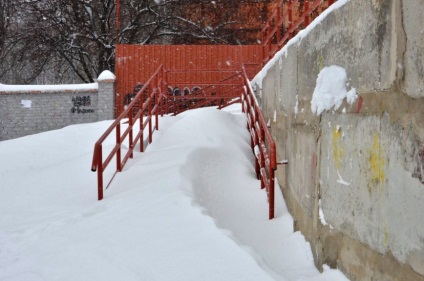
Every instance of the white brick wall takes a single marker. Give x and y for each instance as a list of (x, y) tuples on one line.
[(31, 112)]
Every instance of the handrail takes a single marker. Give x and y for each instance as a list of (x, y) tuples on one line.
[(98, 164), (261, 141), (281, 25), (154, 99), (157, 100), (215, 90)]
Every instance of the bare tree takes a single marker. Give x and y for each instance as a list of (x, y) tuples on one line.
[(78, 36)]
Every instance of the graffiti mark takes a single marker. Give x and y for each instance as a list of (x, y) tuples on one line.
[(338, 151), (377, 164), (81, 101), (83, 111), (385, 236)]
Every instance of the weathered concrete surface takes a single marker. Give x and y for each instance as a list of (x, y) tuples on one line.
[(413, 23), (367, 192), (366, 163)]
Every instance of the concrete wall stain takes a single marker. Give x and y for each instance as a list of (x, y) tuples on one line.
[(320, 62), (377, 164), (338, 151)]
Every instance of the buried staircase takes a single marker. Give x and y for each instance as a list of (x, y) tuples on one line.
[(157, 80), (155, 98)]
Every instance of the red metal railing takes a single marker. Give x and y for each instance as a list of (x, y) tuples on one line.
[(139, 120), (287, 19), (217, 87), (214, 88), (263, 145), (153, 99)]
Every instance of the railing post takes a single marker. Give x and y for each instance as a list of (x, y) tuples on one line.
[(271, 194), (100, 173), (277, 25), (305, 13), (118, 152), (263, 46), (290, 19), (272, 168), (142, 132), (166, 91), (150, 118), (242, 98), (157, 107), (162, 88), (130, 135)]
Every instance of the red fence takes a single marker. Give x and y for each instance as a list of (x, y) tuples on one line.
[(136, 63), (288, 18)]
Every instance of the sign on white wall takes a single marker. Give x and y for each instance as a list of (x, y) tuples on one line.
[(26, 103)]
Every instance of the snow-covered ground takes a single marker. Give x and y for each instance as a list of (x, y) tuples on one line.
[(189, 208)]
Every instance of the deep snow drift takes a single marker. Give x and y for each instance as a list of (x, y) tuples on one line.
[(189, 208)]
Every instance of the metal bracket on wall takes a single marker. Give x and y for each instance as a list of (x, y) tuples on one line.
[(283, 162)]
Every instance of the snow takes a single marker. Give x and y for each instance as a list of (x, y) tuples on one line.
[(48, 88), (189, 208), (321, 215), (330, 90), (295, 40), (296, 106), (106, 75)]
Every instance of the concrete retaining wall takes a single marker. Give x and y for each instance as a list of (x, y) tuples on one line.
[(26, 110), (362, 167)]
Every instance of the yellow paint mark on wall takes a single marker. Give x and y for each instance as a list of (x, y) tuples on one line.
[(338, 151), (377, 162), (320, 62), (386, 236)]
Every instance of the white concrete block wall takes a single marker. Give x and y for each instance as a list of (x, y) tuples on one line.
[(366, 167), (25, 112)]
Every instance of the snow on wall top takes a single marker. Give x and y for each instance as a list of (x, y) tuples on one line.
[(48, 88), (296, 39), (106, 75)]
